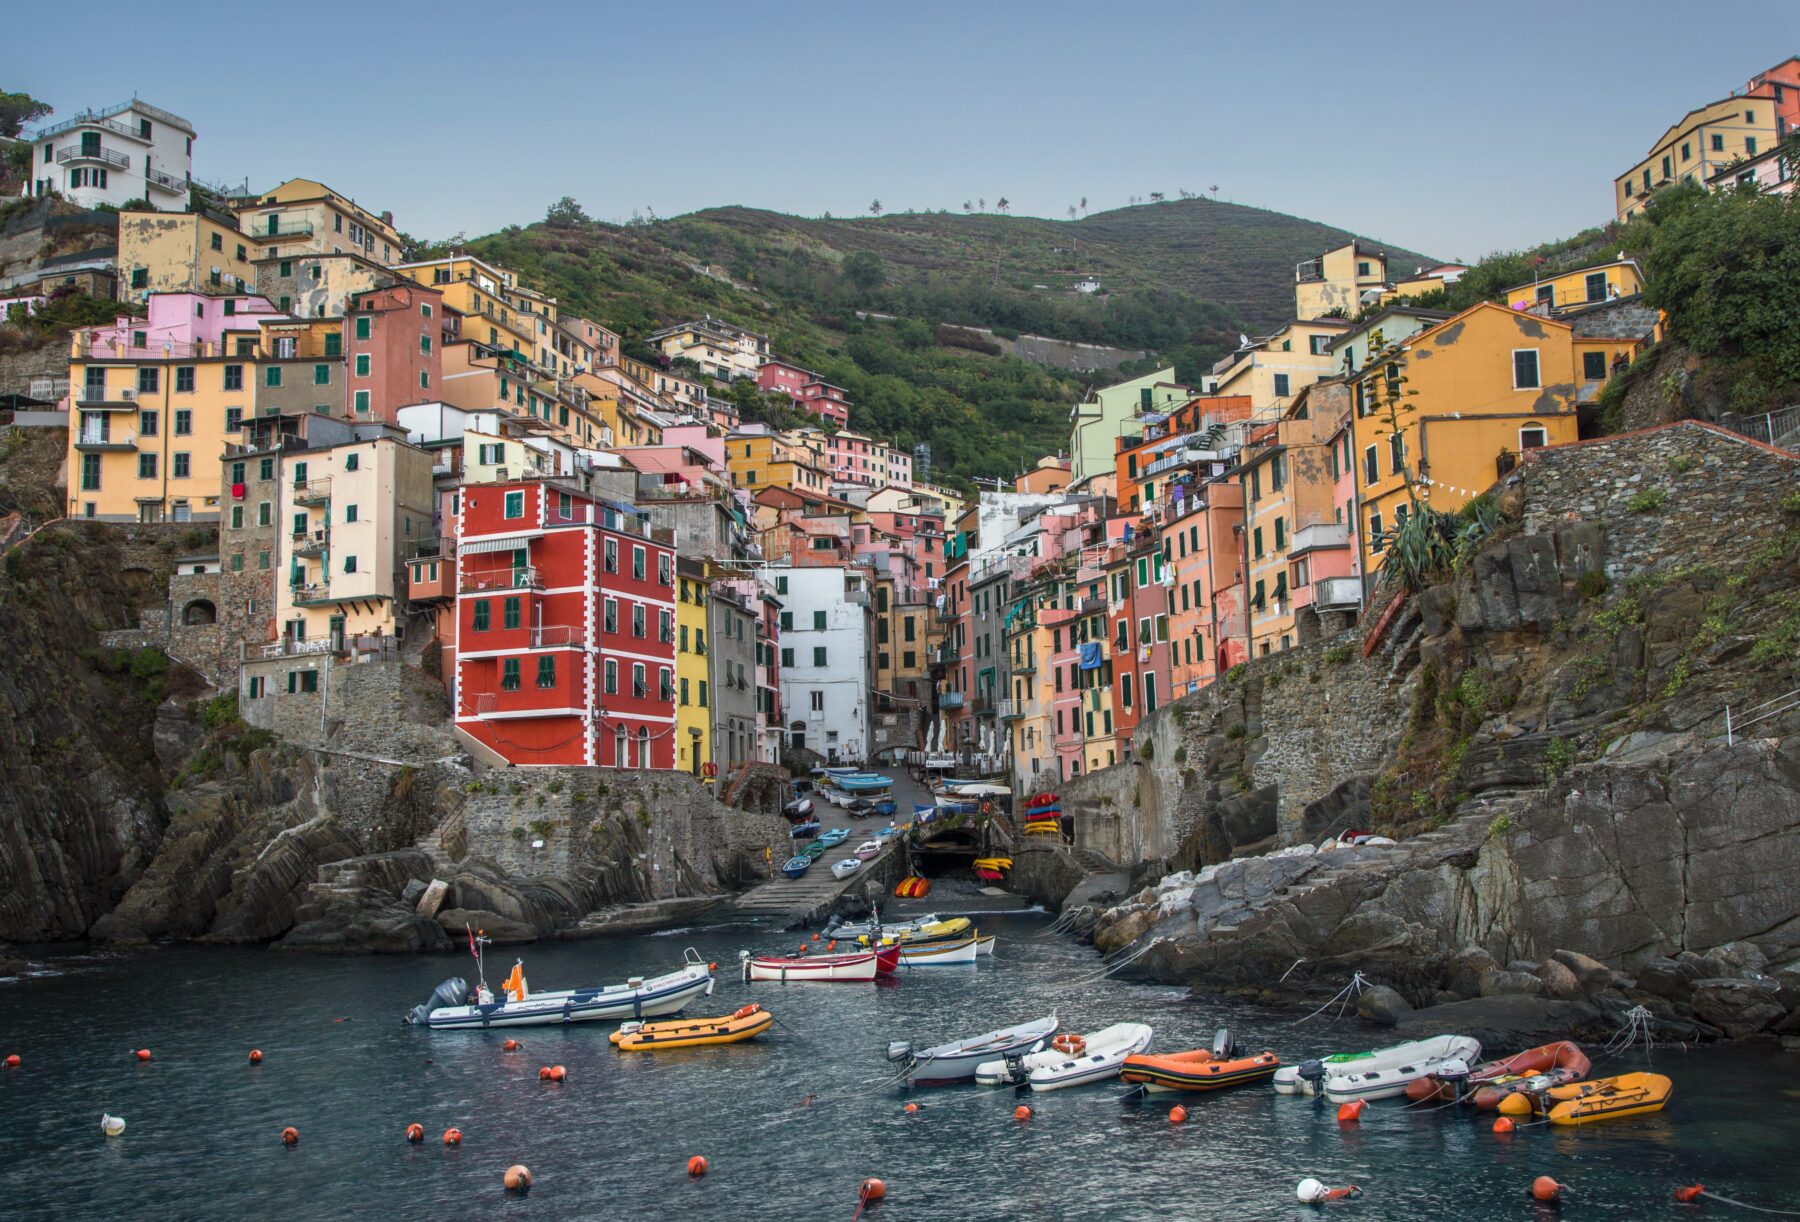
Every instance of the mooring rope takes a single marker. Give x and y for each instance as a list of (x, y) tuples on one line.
[(1358, 982)]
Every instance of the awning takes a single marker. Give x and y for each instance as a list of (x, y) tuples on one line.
[(506, 543)]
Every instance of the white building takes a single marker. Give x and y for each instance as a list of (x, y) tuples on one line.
[(827, 646), (115, 155)]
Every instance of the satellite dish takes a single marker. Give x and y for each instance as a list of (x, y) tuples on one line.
[(1243, 340)]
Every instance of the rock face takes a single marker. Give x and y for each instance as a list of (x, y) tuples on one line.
[(1573, 829)]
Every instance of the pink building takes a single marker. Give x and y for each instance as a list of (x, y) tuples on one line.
[(850, 457), (780, 376), (185, 324), (824, 400), (899, 466)]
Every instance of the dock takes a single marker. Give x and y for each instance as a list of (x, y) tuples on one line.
[(792, 902)]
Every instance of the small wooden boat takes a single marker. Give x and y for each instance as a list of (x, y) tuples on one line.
[(1534, 1070), (928, 930), (888, 834), (957, 1060), (868, 850), (1071, 1060), (1212, 1068), (813, 851), (800, 831), (984, 944), (834, 837), (857, 966), (453, 1006), (745, 1023), (937, 954), (795, 866), (1402, 1063), (845, 868), (799, 808), (1630, 1094)]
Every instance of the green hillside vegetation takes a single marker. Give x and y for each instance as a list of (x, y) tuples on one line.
[(1180, 280)]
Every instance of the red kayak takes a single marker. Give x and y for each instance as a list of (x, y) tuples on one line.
[(1535, 1070)]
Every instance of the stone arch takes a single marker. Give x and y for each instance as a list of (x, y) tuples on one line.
[(198, 613)]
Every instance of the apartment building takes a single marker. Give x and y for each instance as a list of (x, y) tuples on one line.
[(304, 217), (1342, 281), (202, 251), (694, 685), (826, 650), (114, 155)]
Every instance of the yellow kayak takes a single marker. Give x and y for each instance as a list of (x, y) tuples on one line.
[(746, 1023)]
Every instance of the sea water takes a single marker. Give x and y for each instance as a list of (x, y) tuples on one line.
[(791, 1123)]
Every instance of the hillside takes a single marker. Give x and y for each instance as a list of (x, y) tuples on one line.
[(1179, 279)]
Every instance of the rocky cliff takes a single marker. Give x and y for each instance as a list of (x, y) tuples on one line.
[(1543, 739)]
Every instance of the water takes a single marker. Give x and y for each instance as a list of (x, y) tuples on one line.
[(614, 1139)]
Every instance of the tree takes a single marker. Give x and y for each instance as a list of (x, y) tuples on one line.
[(865, 271), (1084, 205), (565, 213), (1156, 197), (874, 207), (968, 207), (1003, 204), (1071, 212), (982, 204), (18, 109)]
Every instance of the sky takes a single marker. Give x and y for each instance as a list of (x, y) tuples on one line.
[(1451, 128)]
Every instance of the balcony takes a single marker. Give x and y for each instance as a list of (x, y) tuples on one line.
[(312, 492), (1337, 593), (950, 700), (1092, 605), (311, 594), (98, 440), (524, 577), (554, 636), (1318, 536), (92, 118), (283, 229), (983, 704), (98, 399), (166, 182), (1010, 711), (1312, 269), (1027, 667), (99, 156), (312, 542)]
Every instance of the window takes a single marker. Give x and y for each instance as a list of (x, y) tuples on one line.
[(321, 375), (218, 242), (1375, 540), (1256, 548), (639, 687), (510, 612), (1533, 437), (818, 701), (610, 558), (509, 675), (546, 676), (665, 569), (610, 681), (1280, 533), (149, 422), (1396, 453), (180, 464), (818, 655), (263, 514), (184, 379), (184, 422), (234, 420), (363, 364), (1525, 368), (272, 376), (148, 379), (352, 461), (237, 516), (362, 325), (1281, 385), (349, 513), (234, 377), (1596, 286), (1371, 468), (639, 621), (349, 564), (1686, 150), (818, 621), (361, 401), (781, 586), (146, 465), (787, 658), (514, 506), (425, 345), (265, 470), (1750, 146), (637, 563), (1593, 366)]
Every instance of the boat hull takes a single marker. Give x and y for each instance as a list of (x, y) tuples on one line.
[(1197, 1071), (814, 969), (1632, 1094), (663, 995), (1102, 1057), (938, 954), (1439, 1048), (693, 1033), (958, 1062)]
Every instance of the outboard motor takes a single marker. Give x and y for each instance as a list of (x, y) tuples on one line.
[(1015, 1068), (899, 1050), (453, 992), (1454, 1075), (1223, 1046), (1313, 1074)]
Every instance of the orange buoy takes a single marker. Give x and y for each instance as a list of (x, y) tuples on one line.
[(510, 1046), (543, 1073), (1504, 1125), (453, 1137), (415, 1133), (912, 1107), (1689, 1193), (831, 945), (12, 1061), (1351, 1112), (1178, 1114), (1515, 1105), (1022, 1112), (815, 937), (712, 967), (290, 1136), (256, 1056), (517, 1178), (805, 1100), (143, 1054), (872, 1189), (1543, 1188), (696, 1167), (558, 1073)]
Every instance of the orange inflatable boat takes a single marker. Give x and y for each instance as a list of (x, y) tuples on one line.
[(1535, 1069), (1200, 1069)]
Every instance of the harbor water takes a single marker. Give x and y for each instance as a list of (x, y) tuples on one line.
[(613, 1140)]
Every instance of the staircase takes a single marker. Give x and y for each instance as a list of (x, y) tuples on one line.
[(792, 902)]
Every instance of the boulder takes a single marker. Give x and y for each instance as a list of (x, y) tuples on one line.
[(1558, 980), (1743, 958), (1667, 978), (432, 898), (1511, 984), (1466, 970), (415, 887), (1382, 1005), (1738, 1007), (1592, 974), (500, 930)]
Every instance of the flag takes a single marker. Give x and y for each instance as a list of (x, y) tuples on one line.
[(472, 951)]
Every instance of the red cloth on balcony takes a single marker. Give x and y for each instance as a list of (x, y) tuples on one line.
[(237, 492)]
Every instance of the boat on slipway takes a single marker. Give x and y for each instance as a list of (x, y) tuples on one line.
[(1071, 1060), (957, 1061), (455, 1007)]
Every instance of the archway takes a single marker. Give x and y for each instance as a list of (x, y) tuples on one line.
[(198, 613)]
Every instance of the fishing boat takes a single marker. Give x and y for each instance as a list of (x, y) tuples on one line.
[(801, 831), (1214, 1068), (855, 966), (868, 850), (932, 930), (797, 865), (798, 809), (930, 925), (1309, 1077), (813, 851), (984, 944), (745, 1023), (889, 834), (1534, 1070), (845, 868), (937, 954), (836, 836), (1071, 1060), (956, 1061), (455, 1007)]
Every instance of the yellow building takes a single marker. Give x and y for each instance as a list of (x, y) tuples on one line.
[(766, 460), (693, 702), (477, 379), (494, 311), (183, 252), (1473, 392), (346, 520), (302, 216), (1701, 143), (721, 349), (1346, 279), (1272, 370), (1581, 287), (1425, 280)]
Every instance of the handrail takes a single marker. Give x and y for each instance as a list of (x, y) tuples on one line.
[(117, 161), (1763, 711)]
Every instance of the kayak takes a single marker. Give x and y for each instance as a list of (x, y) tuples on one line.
[(746, 1023)]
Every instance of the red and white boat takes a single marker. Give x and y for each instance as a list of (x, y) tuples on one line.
[(853, 967)]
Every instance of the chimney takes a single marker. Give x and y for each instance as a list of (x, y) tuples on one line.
[(387, 218)]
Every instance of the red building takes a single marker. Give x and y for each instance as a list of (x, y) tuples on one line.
[(392, 347), (824, 400), (565, 628), (783, 377)]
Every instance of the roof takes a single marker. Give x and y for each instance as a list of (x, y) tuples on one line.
[(1430, 316), (1764, 93), (1576, 271), (1412, 340)]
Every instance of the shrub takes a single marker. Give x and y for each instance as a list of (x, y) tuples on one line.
[(1235, 730), (1181, 754), (1337, 655), (1499, 825), (1591, 584), (1648, 501), (1558, 757), (1791, 503), (1147, 750), (1681, 464)]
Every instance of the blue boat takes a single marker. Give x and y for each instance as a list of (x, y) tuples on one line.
[(796, 866), (834, 837), (800, 831), (864, 782)]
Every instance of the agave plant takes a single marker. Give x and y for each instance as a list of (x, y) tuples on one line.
[(1430, 545)]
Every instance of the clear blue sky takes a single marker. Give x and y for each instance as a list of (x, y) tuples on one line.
[(1452, 128)]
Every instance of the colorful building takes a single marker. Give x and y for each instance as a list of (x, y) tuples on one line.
[(1702, 142), (301, 217), (1581, 287), (1097, 422), (1340, 281), (110, 157), (1202, 538), (1271, 370), (693, 676), (183, 252)]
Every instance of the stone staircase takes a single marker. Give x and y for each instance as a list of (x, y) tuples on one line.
[(789, 902)]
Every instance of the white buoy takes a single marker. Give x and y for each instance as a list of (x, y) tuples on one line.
[(111, 1125), (1310, 1191)]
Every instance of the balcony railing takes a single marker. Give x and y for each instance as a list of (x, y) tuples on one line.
[(1312, 269), (522, 578), (103, 439), (282, 229), (950, 700), (311, 592), (1010, 711), (97, 399), (311, 542), (73, 152), (1331, 593), (982, 703), (91, 118), (167, 182), (312, 492), (289, 648), (1320, 535), (1092, 605), (555, 636)]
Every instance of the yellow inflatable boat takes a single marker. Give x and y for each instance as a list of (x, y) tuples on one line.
[(925, 931), (1631, 1094), (745, 1023)]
